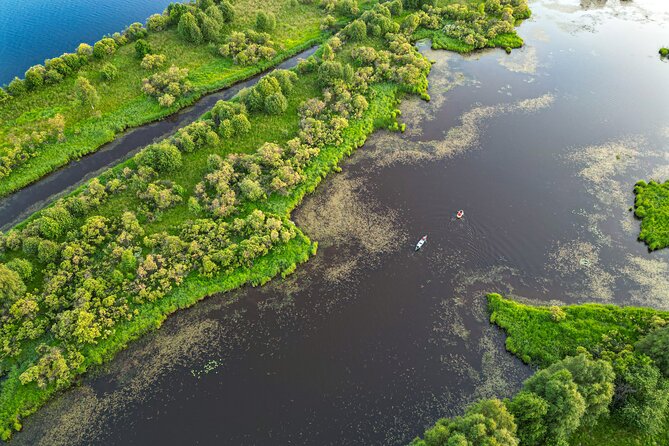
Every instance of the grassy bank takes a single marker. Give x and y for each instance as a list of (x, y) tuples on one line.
[(602, 379), (122, 103), (651, 205)]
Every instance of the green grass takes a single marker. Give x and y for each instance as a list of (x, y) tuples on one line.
[(537, 339), (123, 105), (651, 205)]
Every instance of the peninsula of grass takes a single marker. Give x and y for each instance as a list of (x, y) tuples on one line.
[(651, 205), (603, 380), (208, 209)]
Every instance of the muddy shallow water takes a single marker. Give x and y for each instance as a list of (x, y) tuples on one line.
[(370, 342)]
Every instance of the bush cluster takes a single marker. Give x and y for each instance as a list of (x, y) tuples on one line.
[(248, 47), (167, 86)]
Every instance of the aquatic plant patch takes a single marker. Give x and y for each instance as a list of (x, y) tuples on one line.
[(651, 205)]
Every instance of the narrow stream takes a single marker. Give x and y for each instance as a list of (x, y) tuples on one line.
[(20, 204), (369, 342)]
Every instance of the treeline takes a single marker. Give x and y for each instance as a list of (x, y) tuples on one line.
[(617, 375), (196, 22)]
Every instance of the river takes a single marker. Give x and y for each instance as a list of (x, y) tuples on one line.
[(24, 202), (369, 342), (34, 30)]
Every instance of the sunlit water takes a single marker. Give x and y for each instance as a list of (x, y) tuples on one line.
[(34, 30), (370, 342)]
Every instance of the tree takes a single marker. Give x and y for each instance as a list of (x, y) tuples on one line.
[(84, 50), (594, 379), (109, 72), (189, 29), (142, 48), (11, 286), (85, 92), (152, 62), (356, 31), (104, 47), (35, 76), (641, 396), (16, 87), (265, 22), (156, 22), (211, 23), (529, 411), (47, 251), (227, 10), (656, 346), (275, 104), (487, 422), (566, 406), (52, 367), (162, 157), (22, 266), (135, 31)]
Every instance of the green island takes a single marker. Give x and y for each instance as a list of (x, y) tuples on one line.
[(664, 52), (651, 205), (208, 209), (602, 380)]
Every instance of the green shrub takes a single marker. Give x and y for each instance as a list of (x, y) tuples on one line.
[(16, 87), (189, 29), (355, 31), (135, 31), (265, 22), (656, 346), (157, 22), (34, 76), (152, 62), (104, 47), (142, 48), (162, 157), (84, 50), (22, 267), (109, 72)]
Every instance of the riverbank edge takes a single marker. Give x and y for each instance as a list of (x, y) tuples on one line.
[(25, 175), (19, 401)]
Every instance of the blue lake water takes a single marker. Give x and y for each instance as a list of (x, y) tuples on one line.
[(34, 30)]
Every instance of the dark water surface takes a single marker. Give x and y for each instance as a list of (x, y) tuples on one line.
[(369, 342), (34, 30)]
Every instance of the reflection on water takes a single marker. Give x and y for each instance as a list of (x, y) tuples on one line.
[(370, 342)]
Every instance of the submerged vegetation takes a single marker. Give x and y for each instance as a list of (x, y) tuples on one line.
[(207, 209), (603, 380), (652, 207)]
